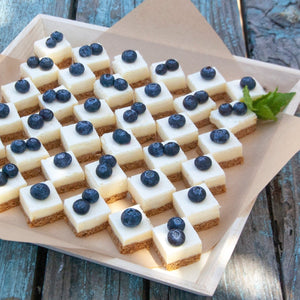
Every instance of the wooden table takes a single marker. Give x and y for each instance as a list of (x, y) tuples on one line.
[(265, 263)]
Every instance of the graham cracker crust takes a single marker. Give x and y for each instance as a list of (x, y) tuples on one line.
[(202, 123), (156, 211), (89, 157), (115, 197), (28, 110), (181, 92), (84, 96), (232, 162), (131, 248), (163, 114), (221, 96), (13, 136), (87, 232), (133, 165), (207, 224), (175, 177), (189, 146), (9, 204), (65, 63), (67, 120), (45, 220), (105, 129), (52, 145), (32, 173), (179, 263), (245, 131), (140, 83), (99, 73), (3, 161), (146, 138), (71, 187), (48, 86), (121, 106)]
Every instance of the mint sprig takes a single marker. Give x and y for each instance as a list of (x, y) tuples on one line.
[(267, 106)]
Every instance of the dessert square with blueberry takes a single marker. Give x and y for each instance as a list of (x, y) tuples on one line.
[(86, 213), (27, 156), (82, 139), (125, 147), (177, 243), (114, 89), (223, 145), (198, 205), (210, 80), (236, 117), (23, 94), (61, 102), (98, 113), (178, 127), (157, 98), (130, 230), (197, 105), (11, 127), (167, 157), (41, 204), (43, 126), (138, 119), (107, 178), (11, 181), (43, 72), (204, 169), (94, 56), (132, 67), (152, 190), (56, 47), (3, 159), (171, 74), (64, 171)]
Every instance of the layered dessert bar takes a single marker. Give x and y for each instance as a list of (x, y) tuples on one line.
[(3, 159)]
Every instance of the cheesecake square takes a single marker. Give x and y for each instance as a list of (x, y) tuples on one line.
[(210, 173), (84, 146), (178, 127), (112, 188), (174, 257), (227, 154), (130, 239), (25, 102), (39, 210), (11, 127), (203, 211), (153, 199), (64, 176), (86, 223), (2, 154), (114, 98)]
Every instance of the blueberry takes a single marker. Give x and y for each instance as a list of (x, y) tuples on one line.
[(190, 102), (3, 178), (239, 108), (33, 144), (92, 104), (76, 69), (201, 96), (208, 73), (49, 96), (18, 146), (108, 159), (129, 56), (156, 149), (120, 84), (84, 127), (35, 121), (46, 63), (130, 116), (171, 149), (90, 195), (249, 82), (176, 237), (104, 171), (62, 160), (4, 110), (176, 121), (150, 178), (33, 62), (10, 170), (96, 49), (176, 223), (225, 109), (107, 80), (85, 51), (51, 43), (202, 163), (63, 96), (197, 194), (131, 217), (152, 89), (219, 136), (58, 36), (172, 64), (139, 107), (22, 86), (81, 207), (46, 114), (161, 69), (40, 191), (121, 136)]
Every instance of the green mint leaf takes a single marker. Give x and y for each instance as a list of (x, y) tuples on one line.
[(247, 98), (264, 99), (280, 101), (265, 113)]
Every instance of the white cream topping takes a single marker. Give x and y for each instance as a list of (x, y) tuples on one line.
[(12, 123)]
